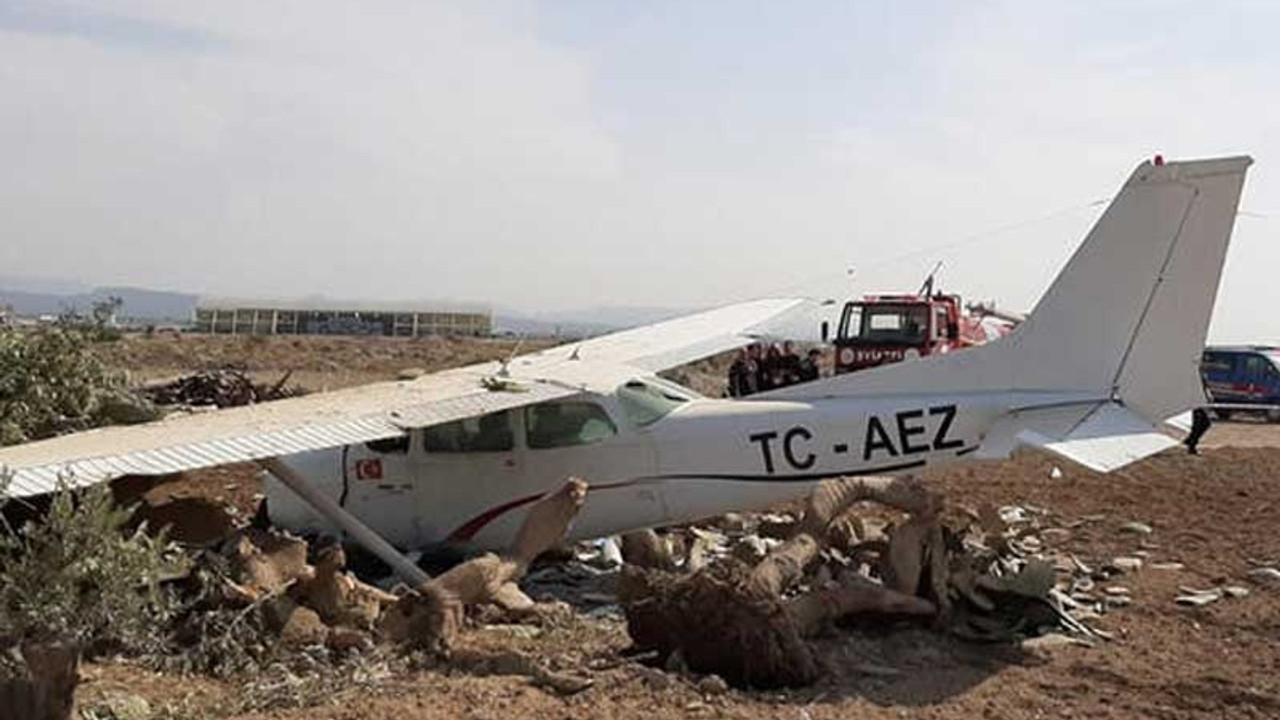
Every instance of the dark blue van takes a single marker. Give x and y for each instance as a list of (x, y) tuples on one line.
[(1243, 379)]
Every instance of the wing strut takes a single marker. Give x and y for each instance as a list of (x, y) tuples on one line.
[(333, 512)]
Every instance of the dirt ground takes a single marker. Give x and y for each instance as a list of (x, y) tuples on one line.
[(317, 363), (1218, 514)]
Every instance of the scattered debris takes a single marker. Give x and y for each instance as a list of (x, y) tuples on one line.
[(1235, 591), (1192, 597), (1265, 574), (1126, 564), (1136, 528)]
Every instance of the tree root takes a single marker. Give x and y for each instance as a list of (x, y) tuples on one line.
[(735, 621), (431, 615)]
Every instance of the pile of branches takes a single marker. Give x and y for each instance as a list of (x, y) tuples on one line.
[(228, 387)]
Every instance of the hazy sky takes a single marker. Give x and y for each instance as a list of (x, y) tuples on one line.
[(559, 154)]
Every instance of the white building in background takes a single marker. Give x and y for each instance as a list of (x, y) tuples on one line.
[(333, 317)]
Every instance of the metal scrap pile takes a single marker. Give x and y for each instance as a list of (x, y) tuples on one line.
[(219, 388)]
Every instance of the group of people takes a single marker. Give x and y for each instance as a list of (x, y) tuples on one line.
[(759, 368)]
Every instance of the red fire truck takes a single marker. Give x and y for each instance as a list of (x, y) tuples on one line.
[(881, 329)]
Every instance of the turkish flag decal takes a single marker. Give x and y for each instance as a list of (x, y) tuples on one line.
[(369, 469)]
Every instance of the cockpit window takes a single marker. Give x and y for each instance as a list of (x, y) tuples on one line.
[(645, 403), (564, 424), (487, 433)]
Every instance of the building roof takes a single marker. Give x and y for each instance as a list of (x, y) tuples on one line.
[(323, 304)]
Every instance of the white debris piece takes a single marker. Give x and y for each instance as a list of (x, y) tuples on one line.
[(1136, 528), (1193, 597), (1265, 574), (1236, 591), (1127, 564)]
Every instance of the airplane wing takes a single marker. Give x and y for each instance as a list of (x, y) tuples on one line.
[(605, 362), (380, 410), (255, 432)]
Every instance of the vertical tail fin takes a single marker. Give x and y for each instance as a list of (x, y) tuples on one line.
[(1125, 319), (1128, 314)]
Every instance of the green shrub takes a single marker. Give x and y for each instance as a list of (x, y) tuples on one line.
[(51, 384), (79, 575)]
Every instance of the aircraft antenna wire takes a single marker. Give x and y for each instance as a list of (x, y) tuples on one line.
[(963, 241)]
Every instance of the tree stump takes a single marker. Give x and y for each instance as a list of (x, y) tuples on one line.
[(43, 684)]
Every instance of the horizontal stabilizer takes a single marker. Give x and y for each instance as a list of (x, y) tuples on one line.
[(1100, 436), (1180, 422)]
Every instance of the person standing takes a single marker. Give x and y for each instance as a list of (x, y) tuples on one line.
[(751, 373), (788, 365), (810, 367), (770, 368), (738, 375), (1199, 422)]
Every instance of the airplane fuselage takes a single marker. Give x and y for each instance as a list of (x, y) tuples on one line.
[(701, 458)]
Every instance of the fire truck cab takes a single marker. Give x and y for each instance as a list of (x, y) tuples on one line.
[(881, 329)]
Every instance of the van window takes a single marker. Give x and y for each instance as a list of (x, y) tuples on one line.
[(1255, 367), (1271, 374), (564, 424), (487, 433)]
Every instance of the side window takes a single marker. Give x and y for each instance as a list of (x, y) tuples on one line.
[(1255, 368), (563, 424), (487, 433), (398, 445), (850, 321), (1216, 364)]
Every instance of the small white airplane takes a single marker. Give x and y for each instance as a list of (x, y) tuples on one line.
[(1110, 351)]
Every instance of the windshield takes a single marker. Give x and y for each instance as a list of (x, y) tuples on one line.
[(648, 402), (894, 323)]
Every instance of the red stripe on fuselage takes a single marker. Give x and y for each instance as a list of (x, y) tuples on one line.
[(468, 530)]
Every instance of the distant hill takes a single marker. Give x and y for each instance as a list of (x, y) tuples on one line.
[(139, 304), (49, 297)]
